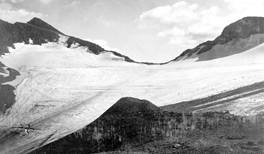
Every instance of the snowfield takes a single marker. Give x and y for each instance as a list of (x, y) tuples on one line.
[(61, 89)]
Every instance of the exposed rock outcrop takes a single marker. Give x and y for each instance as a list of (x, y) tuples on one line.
[(39, 32)]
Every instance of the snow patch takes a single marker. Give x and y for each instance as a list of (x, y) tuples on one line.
[(63, 39), (30, 41), (109, 56), (75, 45)]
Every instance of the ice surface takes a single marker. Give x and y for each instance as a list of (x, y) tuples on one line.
[(63, 89)]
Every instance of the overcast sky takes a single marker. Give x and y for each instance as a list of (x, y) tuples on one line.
[(145, 30)]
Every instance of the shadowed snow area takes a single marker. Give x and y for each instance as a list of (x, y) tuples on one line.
[(61, 90)]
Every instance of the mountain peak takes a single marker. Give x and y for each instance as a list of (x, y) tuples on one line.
[(42, 24), (237, 37), (242, 28)]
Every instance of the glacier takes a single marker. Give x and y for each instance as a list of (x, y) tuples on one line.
[(60, 90)]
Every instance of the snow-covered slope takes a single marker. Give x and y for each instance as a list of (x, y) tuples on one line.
[(61, 89)]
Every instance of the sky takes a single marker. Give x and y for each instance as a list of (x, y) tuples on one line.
[(144, 30)]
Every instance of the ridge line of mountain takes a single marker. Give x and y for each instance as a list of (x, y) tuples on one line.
[(41, 32), (240, 29), (21, 32)]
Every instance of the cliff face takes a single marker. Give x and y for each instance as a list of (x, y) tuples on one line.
[(37, 35), (8, 35), (237, 37)]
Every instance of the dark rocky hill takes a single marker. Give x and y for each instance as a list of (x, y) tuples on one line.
[(128, 120), (128, 106), (138, 125)]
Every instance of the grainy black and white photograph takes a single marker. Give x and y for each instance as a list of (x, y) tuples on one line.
[(131, 77)]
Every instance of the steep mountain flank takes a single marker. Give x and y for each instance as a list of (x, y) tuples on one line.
[(39, 32), (41, 24), (237, 37)]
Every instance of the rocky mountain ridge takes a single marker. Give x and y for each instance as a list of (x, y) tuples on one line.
[(41, 32), (236, 35), (235, 38)]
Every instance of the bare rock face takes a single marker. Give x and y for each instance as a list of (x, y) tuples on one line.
[(237, 33), (41, 24), (39, 32), (37, 35), (242, 29), (7, 97), (8, 35), (22, 32)]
